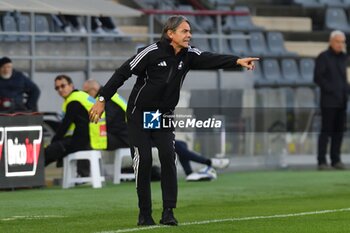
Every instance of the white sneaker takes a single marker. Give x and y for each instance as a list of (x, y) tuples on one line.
[(204, 174), (67, 29), (195, 176), (82, 30), (220, 163), (100, 30), (116, 31), (209, 171)]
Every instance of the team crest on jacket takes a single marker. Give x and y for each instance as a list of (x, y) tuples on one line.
[(181, 64)]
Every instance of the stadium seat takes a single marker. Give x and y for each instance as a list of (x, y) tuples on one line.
[(195, 27), (9, 25), (244, 22), (290, 71), (336, 19), (272, 71), (118, 160), (214, 45), (201, 43), (239, 44), (218, 3), (41, 26), (258, 44), (207, 23), (23, 22), (275, 43), (309, 3), (1, 36), (70, 167), (258, 75), (333, 3), (307, 66), (346, 3), (228, 21), (166, 7), (148, 4)]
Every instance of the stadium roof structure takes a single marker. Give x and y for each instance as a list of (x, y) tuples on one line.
[(69, 7)]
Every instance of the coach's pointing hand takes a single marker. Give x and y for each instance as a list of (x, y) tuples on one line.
[(96, 111), (247, 62)]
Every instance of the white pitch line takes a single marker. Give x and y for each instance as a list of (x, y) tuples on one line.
[(30, 217), (229, 220)]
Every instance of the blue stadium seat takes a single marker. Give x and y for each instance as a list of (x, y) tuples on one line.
[(214, 45), (218, 3), (307, 66), (290, 71), (258, 44), (201, 43), (148, 4), (336, 19), (333, 3), (195, 27), (41, 25), (346, 3), (9, 25), (239, 44), (258, 75), (207, 23), (309, 3), (228, 21), (275, 43), (272, 71), (244, 22), (23, 22), (1, 36)]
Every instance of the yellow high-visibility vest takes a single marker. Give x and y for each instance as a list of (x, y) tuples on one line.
[(97, 132), (116, 98)]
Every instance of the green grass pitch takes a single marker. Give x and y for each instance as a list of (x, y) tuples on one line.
[(243, 202)]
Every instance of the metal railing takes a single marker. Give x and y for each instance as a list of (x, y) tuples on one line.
[(89, 36)]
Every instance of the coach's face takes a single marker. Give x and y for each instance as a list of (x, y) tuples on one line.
[(180, 38)]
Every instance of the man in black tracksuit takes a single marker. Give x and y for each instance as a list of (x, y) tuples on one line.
[(330, 76), (161, 68)]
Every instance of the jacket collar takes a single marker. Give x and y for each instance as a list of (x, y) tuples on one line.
[(331, 51), (165, 44)]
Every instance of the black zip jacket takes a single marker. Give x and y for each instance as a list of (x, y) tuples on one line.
[(160, 74), (330, 76)]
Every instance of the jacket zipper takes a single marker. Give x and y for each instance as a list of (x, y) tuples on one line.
[(170, 74)]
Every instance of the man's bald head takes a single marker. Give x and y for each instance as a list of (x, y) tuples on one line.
[(91, 87)]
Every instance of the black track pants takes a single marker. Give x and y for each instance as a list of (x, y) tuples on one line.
[(141, 141)]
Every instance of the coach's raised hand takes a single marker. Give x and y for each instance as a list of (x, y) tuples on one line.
[(247, 62), (96, 111)]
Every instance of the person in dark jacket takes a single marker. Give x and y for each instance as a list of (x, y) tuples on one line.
[(330, 76), (161, 68), (14, 85)]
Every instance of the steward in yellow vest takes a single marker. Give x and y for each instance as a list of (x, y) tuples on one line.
[(75, 132)]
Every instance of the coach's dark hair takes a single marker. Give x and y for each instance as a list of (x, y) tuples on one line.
[(63, 76), (172, 23)]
